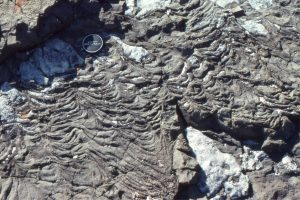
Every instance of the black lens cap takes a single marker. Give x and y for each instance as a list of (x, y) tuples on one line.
[(92, 43)]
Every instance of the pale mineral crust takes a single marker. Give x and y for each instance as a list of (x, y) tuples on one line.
[(188, 99)]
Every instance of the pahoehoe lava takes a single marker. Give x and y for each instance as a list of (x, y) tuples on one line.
[(115, 124)]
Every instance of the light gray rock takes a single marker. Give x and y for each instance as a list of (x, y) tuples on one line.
[(132, 52), (9, 97), (144, 6), (255, 28), (237, 188), (286, 164), (56, 57), (224, 3), (221, 170), (260, 5), (193, 60), (252, 159), (131, 4)]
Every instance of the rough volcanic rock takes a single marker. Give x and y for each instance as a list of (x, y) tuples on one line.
[(183, 92), (19, 21), (27, 23)]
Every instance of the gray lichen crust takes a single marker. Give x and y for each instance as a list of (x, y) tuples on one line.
[(187, 99)]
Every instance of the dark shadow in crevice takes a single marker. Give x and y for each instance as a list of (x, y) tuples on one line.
[(190, 191)]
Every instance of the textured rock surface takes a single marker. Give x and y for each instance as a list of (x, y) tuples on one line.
[(18, 20), (138, 54), (55, 58), (252, 159), (112, 125), (260, 5), (9, 97), (142, 7), (219, 169)]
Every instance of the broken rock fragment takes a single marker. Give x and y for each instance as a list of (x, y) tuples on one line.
[(220, 170)]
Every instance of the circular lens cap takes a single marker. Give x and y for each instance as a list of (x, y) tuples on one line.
[(92, 43)]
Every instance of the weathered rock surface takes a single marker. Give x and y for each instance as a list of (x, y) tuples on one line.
[(220, 170), (27, 23), (9, 97), (55, 58), (112, 125)]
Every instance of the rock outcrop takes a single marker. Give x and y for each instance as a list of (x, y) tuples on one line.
[(187, 99)]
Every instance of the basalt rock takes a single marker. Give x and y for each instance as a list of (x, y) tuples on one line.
[(186, 100), (26, 24)]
